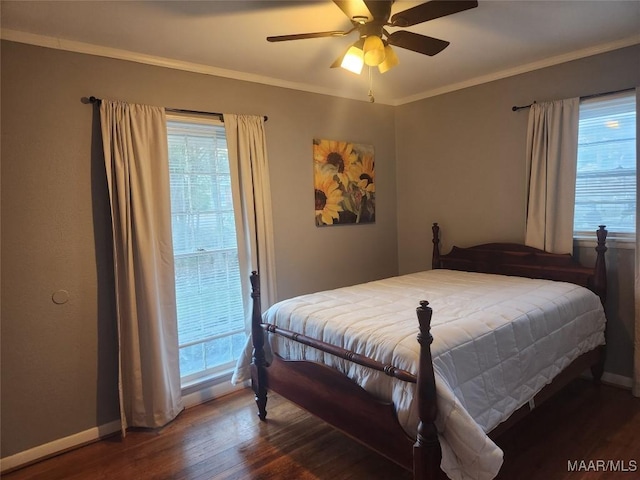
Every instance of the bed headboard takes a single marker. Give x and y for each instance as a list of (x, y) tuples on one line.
[(524, 261)]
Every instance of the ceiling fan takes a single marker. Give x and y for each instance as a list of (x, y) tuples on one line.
[(370, 17)]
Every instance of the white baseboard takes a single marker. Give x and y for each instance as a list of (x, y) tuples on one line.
[(612, 379), (617, 380), (79, 439), (58, 446)]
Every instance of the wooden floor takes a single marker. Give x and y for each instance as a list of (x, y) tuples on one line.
[(224, 440)]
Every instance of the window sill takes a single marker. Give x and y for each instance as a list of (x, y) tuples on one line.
[(203, 381), (206, 389)]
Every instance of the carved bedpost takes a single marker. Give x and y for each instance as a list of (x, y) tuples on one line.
[(600, 287), (259, 363), (600, 276), (435, 259), (426, 451)]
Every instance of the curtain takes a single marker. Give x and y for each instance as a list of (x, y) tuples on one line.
[(136, 160), (246, 143), (636, 350), (552, 152)]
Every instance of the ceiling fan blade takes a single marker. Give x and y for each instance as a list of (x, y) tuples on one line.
[(417, 43), (355, 8), (430, 11), (301, 36)]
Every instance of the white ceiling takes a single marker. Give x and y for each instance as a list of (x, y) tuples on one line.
[(227, 38)]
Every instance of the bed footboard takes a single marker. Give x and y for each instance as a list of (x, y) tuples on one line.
[(339, 401)]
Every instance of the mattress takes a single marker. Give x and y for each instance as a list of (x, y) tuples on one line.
[(498, 340)]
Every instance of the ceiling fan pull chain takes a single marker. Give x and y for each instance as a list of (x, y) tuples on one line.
[(371, 98)]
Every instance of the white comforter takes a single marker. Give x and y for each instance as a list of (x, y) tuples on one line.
[(497, 341)]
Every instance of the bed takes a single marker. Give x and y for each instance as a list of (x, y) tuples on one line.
[(500, 327)]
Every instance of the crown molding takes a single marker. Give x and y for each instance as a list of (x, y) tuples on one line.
[(529, 67), (92, 49), (101, 51)]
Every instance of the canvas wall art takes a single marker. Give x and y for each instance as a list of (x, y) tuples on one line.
[(344, 182)]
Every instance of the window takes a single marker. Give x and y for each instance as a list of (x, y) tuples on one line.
[(606, 172), (211, 319)]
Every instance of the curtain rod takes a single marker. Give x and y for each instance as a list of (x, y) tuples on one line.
[(586, 97), (93, 99)]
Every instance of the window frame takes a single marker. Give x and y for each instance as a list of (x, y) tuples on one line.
[(615, 239), (223, 371)]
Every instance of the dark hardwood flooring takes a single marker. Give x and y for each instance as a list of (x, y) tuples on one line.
[(224, 440)]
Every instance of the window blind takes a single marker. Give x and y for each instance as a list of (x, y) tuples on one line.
[(606, 169), (211, 322)]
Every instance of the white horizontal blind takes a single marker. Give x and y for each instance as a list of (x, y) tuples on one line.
[(211, 324), (606, 172)]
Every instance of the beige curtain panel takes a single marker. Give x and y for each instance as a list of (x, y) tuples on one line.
[(247, 146), (552, 152), (136, 160)]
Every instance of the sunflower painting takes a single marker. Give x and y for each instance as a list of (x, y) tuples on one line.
[(344, 182)]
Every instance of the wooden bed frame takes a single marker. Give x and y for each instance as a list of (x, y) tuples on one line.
[(334, 398)]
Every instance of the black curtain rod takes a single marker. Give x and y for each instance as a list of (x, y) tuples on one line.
[(93, 99), (586, 97), (516, 108)]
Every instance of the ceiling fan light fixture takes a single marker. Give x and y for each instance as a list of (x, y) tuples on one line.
[(369, 18), (390, 60), (353, 60), (374, 51)]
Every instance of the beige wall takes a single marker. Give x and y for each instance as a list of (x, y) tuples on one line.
[(59, 361), (461, 162)]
